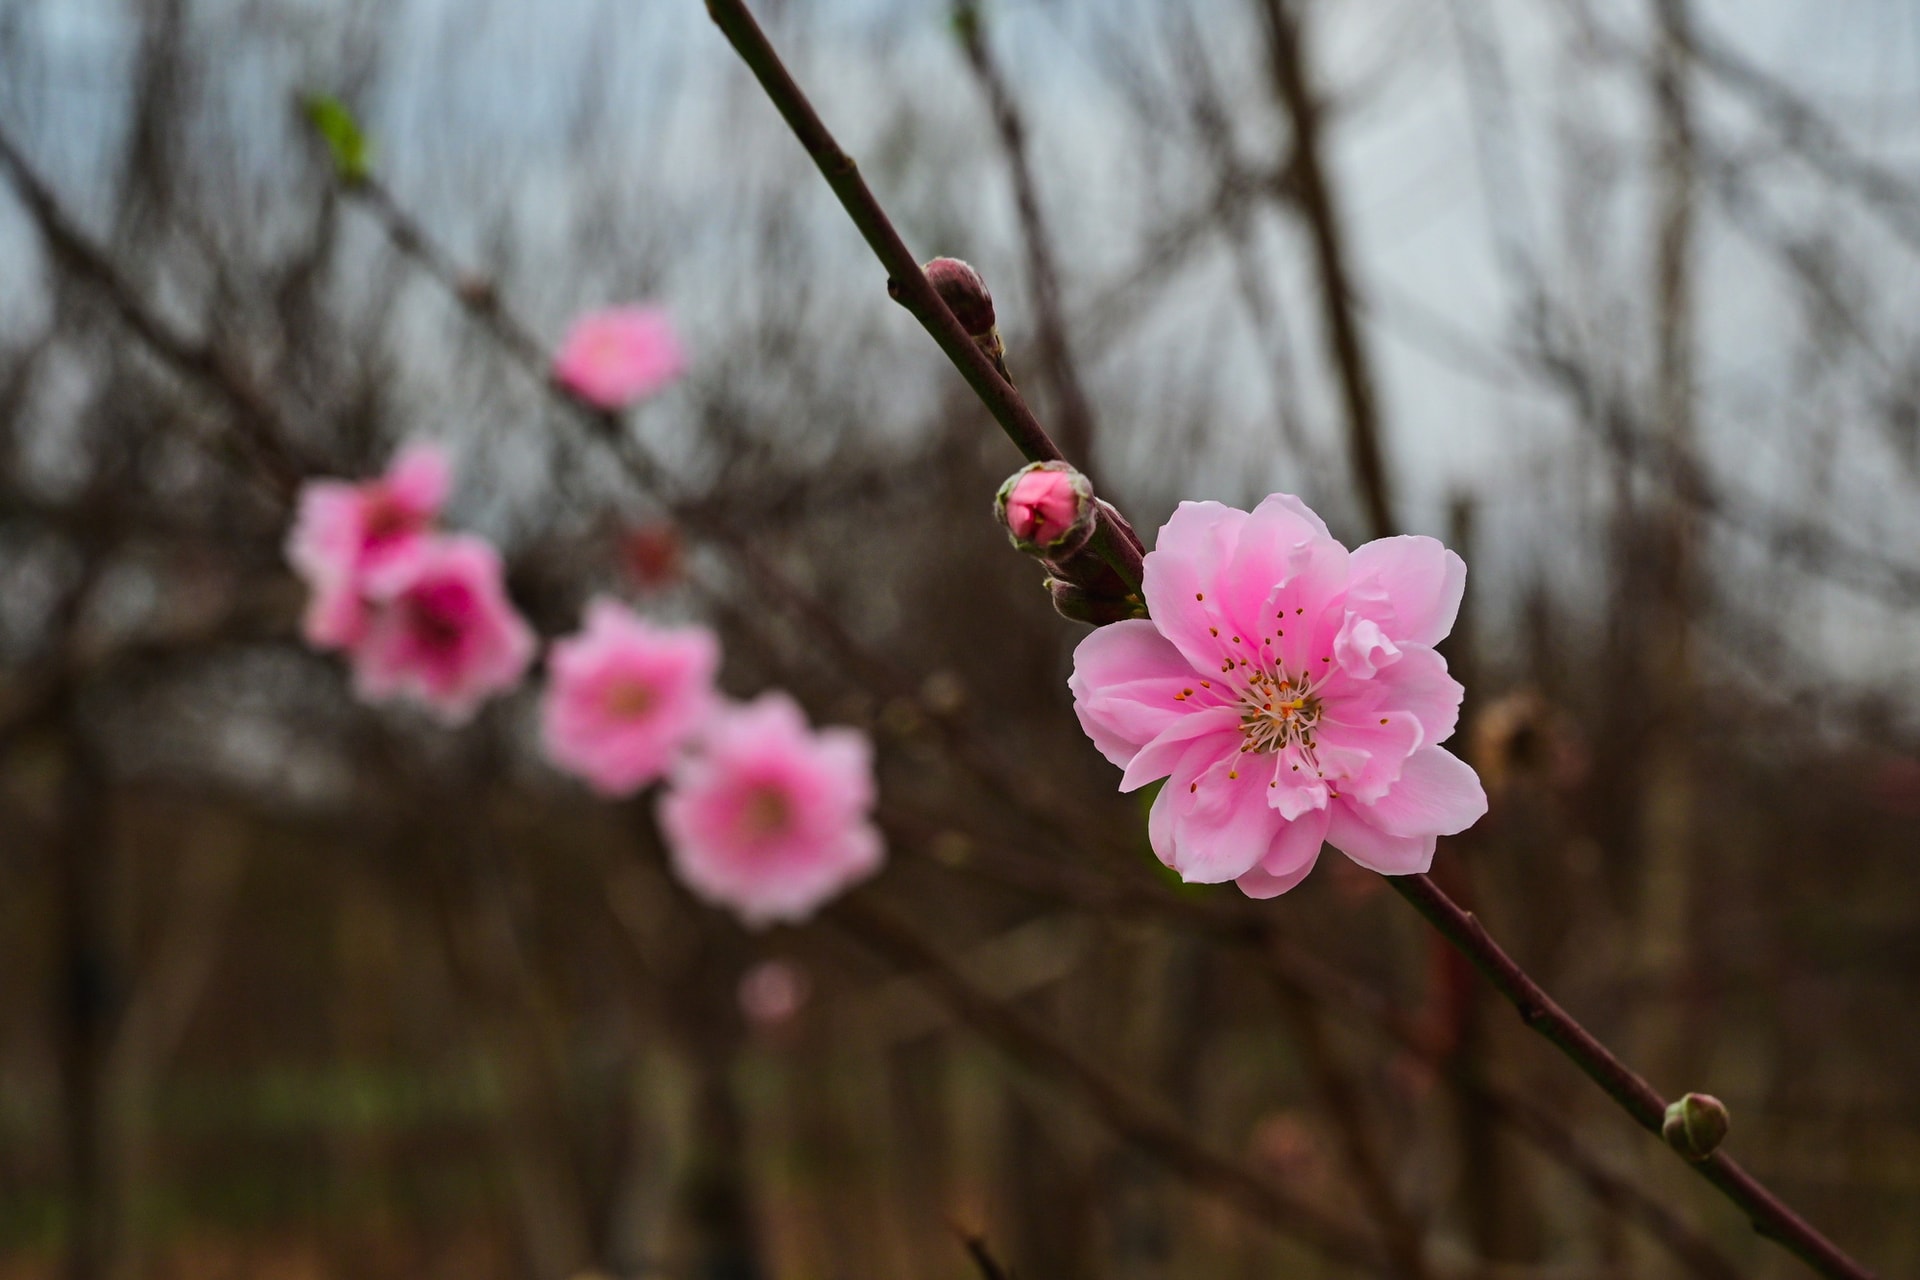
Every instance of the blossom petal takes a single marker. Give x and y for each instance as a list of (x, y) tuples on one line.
[(420, 478), (1362, 649), (1421, 581), (1189, 560), (1437, 793), (1157, 758), (1307, 607), (1419, 683), (1124, 680), (1222, 825), (1363, 756), (1373, 848), (1275, 544), (1295, 848)]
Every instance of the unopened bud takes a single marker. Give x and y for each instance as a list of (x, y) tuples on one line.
[(1696, 1125), (1047, 509), (1077, 604), (968, 297)]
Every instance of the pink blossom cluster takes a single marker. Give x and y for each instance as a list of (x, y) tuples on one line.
[(422, 615), (1289, 693), (762, 813)]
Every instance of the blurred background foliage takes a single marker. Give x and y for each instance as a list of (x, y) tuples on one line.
[(1618, 300)]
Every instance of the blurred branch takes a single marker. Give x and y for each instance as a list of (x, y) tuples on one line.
[(1343, 1103), (1127, 1115), (1043, 276), (1801, 126), (976, 1247), (1313, 198), (1245, 924), (263, 431)]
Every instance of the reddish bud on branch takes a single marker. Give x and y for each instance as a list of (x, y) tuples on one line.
[(1047, 509), (967, 296)]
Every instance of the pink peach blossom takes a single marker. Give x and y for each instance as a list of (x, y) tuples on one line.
[(440, 630), (768, 817), (616, 357), (624, 695), (342, 532), (1289, 693)]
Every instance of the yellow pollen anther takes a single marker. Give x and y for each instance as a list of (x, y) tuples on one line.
[(1199, 595), (1383, 719), (1213, 631), (1233, 773)]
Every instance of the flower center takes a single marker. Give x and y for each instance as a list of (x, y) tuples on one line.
[(1277, 712), (436, 616), (630, 699), (765, 814)]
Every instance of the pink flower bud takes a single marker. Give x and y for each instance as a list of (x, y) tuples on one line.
[(1047, 508)]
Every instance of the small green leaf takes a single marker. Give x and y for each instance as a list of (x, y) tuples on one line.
[(352, 154)]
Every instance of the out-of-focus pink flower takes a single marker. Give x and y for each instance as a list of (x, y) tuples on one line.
[(440, 630), (342, 532), (619, 356), (1289, 693), (768, 817), (624, 695), (773, 992)]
